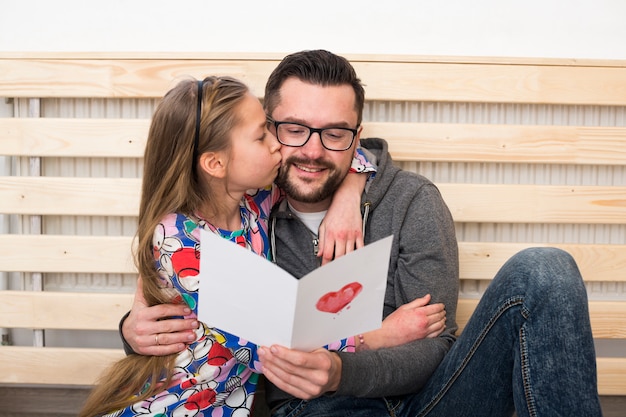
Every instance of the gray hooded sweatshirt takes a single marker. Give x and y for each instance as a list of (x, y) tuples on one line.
[(424, 260)]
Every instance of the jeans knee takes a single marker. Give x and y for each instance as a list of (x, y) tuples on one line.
[(547, 256), (547, 267)]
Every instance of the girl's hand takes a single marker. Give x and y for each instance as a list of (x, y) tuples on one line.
[(412, 321), (341, 230)]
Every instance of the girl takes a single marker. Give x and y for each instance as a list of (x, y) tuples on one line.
[(208, 144)]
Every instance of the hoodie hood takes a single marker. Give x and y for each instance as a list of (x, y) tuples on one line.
[(381, 183)]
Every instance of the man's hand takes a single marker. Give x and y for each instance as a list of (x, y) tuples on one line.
[(151, 331), (304, 375)]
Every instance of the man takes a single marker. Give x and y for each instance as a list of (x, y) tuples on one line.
[(528, 346)]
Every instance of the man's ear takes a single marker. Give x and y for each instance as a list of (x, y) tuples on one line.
[(213, 163), (358, 134), (357, 138)]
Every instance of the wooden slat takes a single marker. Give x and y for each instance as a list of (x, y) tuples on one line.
[(424, 81), (82, 367), (119, 78), (102, 311), (83, 254), (62, 310), (608, 318), (608, 321), (515, 203), (70, 196), (493, 83), (67, 254), (611, 370), (54, 366), (457, 142), (491, 203), (611, 380), (104, 138), (597, 262)]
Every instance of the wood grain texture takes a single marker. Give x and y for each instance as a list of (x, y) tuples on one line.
[(530, 203), (70, 196), (498, 203), (459, 142), (608, 319), (101, 311), (62, 137), (54, 366), (80, 368), (452, 142), (597, 263), (62, 310), (84, 254), (422, 81), (611, 379), (67, 253)]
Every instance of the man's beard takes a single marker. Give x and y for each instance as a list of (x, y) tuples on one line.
[(324, 191)]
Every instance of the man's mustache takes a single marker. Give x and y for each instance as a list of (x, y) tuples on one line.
[(318, 163)]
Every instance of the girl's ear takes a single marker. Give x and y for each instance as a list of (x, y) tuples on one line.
[(213, 163)]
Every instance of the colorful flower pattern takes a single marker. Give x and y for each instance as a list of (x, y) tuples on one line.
[(217, 374)]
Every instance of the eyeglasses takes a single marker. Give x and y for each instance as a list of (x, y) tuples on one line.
[(296, 135)]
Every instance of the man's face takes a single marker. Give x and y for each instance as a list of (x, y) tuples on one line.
[(310, 174)]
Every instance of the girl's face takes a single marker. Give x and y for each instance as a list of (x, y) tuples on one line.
[(255, 153)]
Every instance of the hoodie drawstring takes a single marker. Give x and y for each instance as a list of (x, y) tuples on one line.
[(366, 211)]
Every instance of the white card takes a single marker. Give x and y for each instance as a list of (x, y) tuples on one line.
[(248, 296)]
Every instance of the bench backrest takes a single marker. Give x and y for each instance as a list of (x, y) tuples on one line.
[(526, 153)]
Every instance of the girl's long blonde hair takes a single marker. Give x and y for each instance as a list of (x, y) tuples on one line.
[(171, 183)]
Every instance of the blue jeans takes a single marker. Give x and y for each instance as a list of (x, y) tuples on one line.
[(527, 348)]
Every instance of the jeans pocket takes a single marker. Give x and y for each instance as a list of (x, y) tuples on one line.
[(288, 408)]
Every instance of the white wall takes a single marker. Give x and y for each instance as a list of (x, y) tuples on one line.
[(528, 28)]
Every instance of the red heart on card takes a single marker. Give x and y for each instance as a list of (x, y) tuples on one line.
[(335, 301)]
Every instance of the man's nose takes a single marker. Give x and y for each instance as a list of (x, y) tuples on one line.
[(313, 148)]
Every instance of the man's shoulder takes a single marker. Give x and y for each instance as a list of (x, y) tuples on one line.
[(379, 148), (406, 175), (398, 177)]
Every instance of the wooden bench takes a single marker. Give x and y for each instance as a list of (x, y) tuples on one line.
[(526, 153)]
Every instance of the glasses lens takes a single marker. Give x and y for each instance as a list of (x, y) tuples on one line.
[(292, 134), (335, 139)]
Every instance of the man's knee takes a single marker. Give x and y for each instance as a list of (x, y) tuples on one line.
[(546, 256), (549, 268)]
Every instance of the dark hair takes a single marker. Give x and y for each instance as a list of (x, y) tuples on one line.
[(318, 67)]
